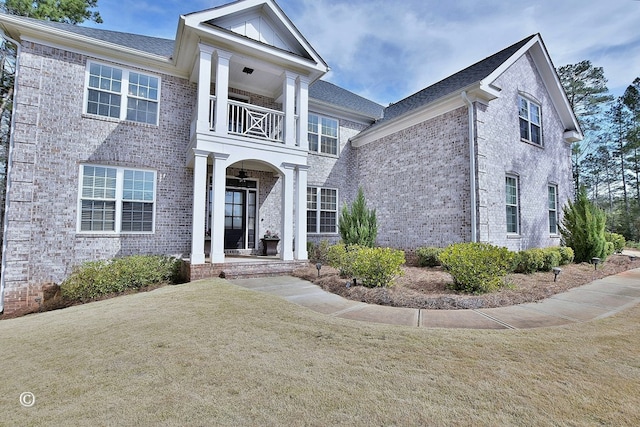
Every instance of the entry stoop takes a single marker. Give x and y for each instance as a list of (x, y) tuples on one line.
[(241, 268)]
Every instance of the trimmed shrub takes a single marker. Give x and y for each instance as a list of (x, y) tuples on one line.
[(358, 225), (551, 257), (428, 257), (609, 248), (377, 267), (319, 252), (583, 229), (97, 278), (477, 267), (342, 257), (566, 255), (618, 241), (528, 261)]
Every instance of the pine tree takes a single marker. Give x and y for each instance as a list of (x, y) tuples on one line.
[(358, 225)]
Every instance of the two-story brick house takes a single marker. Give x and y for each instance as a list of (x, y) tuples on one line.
[(200, 146)]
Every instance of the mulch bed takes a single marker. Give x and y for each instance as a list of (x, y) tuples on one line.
[(429, 288)]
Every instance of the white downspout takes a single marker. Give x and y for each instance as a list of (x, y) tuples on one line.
[(8, 169), (472, 169)]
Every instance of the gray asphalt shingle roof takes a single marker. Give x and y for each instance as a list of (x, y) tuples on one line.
[(153, 45), (454, 83), (335, 95)]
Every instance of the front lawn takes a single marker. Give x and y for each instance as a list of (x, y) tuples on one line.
[(210, 353)]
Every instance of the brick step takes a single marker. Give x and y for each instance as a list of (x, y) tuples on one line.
[(241, 270)]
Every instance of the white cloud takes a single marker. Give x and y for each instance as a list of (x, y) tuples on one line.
[(387, 49)]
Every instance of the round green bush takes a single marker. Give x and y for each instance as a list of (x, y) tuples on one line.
[(477, 267), (428, 257)]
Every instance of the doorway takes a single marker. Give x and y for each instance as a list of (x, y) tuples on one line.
[(240, 207)]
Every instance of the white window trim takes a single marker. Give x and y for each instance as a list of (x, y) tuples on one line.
[(530, 101), (119, 192), (124, 92), (319, 210), (517, 205), (318, 151), (555, 211)]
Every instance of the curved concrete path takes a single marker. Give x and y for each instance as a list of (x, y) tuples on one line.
[(596, 300)]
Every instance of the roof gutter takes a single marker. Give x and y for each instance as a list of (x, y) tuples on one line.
[(472, 168), (12, 127)]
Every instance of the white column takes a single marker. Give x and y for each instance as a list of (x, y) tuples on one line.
[(199, 206), (289, 106), (287, 212), (303, 113), (301, 212), (217, 217), (204, 87), (222, 91)]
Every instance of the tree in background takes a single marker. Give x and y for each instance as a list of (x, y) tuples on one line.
[(586, 89), (68, 11), (358, 225)]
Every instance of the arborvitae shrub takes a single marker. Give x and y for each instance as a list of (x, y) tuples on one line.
[(358, 225), (583, 229)]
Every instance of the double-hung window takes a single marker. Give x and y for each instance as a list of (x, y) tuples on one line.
[(322, 210), (122, 94), (530, 121), (513, 217), (116, 200), (553, 209), (323, 134)]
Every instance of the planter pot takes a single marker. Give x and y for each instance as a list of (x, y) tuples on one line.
[(270, 246)]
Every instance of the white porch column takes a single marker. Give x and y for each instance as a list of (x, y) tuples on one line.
[(303, 113), (222, 91), (217, 220), (199, 206), (287, 212), (204, 87), (289, 106), (301, 212)]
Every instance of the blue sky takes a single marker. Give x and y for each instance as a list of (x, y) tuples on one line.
[(386, 50)]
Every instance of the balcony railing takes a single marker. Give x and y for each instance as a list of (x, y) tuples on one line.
[(251, 121)]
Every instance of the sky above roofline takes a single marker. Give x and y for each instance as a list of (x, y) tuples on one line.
[(385, 50)]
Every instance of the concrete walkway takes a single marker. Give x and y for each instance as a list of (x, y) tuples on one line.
[(599, 299)]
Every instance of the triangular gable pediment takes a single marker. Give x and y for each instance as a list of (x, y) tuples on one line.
[(261, 21), (259, 26), (538, 51)]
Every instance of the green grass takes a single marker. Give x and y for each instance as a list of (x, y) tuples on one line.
[(209, 353)]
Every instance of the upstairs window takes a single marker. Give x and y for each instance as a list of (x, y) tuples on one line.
[(530, 121), (122, 94), (323, 134)]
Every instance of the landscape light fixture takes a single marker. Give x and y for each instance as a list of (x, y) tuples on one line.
[(595, 262), (556, 271), (319, 266)]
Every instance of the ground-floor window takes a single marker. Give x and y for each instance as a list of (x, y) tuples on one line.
[(116, 200), (322, 210), (513, 217), (553, 209)]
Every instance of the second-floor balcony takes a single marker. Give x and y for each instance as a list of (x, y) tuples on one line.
[(250, 121)]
